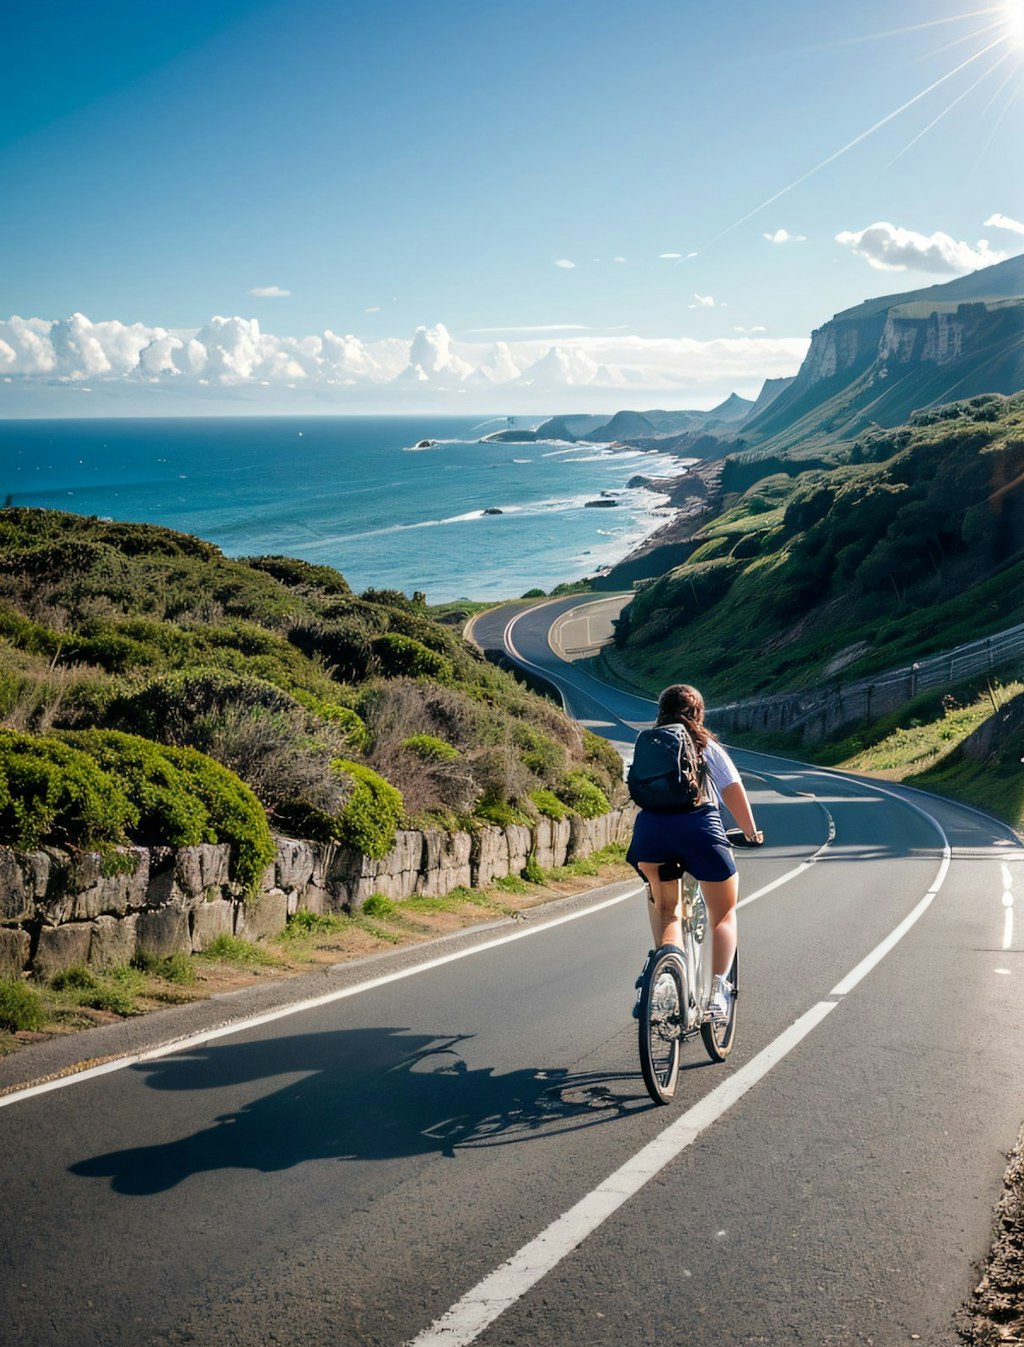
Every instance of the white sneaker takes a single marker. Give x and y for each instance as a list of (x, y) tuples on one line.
[(721, 999)]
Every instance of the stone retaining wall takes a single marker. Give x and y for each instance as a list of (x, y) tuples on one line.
[(59, 909)]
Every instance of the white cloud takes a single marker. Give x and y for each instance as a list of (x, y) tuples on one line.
[(234, 360), (28, 340), (269, 292), (618, 259), (887, 247), (784, 236), (1005, 222), (669, 257), (431, 358), (565, 264), (373, 309), (703, 302), (750, 330)]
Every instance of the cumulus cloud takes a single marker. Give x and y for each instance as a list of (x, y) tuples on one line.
[(750, 330), (1005, 222), (784, 236), (565, 264), (703, 302), (887, 247), (269, 292), (233, 357)]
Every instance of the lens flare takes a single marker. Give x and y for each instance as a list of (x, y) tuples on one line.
[(1013, 17)]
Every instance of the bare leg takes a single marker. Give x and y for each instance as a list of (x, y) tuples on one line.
[(720, 897), (662, 906)]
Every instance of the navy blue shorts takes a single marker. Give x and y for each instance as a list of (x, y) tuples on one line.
[(695, 839)]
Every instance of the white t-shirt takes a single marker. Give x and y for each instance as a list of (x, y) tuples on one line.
[(721, 770)]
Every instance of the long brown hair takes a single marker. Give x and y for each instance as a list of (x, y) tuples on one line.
[(681, 704)]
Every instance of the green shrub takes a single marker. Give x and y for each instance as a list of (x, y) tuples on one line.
[(114, 993), (547, 803), (77, 978), (302, 575), (174, 706), (304, 923), (499, 812), (171, 967), (233, 950), (21, 1007), (404, 655), (379, 906), (532, 871), (349, 722), (511, 884), (71, 793), (51, 792), (170, 813), (602, 753), (371, 815), (430, 748), (544, 756), (236, 816), (578, 791)]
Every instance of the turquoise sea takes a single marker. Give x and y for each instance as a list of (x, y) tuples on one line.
[(352, 492)]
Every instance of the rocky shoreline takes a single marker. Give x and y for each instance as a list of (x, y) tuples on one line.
[(692, 496)]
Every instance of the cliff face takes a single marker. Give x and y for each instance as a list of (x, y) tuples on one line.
[(889, 357), (839, 348)]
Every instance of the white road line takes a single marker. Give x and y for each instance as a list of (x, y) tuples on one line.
[(1008, 905), (776, 883), (188, 1042), (479, 1307)]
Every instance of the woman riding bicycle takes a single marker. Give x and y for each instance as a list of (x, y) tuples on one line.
[(695, 838)]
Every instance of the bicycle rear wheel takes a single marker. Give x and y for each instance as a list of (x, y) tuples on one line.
[(662, 1000), (719, 1035)]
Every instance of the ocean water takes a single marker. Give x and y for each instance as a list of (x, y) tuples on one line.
[(351, 492)]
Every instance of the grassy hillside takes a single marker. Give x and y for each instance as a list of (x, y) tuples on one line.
[(965, 742), (912, 541), (345, 715)]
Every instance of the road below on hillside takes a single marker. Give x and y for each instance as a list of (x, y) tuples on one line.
[(464, 1152)]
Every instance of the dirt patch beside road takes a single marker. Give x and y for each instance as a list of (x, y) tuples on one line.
[(994, 1316)]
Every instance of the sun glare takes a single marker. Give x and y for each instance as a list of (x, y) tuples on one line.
[(1013, 16)]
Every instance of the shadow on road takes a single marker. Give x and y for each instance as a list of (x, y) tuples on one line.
[(360, 1094)]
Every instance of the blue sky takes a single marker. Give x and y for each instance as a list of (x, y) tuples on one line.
[(562, 177)]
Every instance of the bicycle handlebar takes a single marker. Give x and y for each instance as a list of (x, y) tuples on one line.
[(736, 837)]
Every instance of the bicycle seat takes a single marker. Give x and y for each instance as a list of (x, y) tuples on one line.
[(671, 870)]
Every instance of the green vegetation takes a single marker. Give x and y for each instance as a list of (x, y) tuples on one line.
[(964, 742), (908, 542), (21, 1007), (104, 789), (154, 690), (230, 949)]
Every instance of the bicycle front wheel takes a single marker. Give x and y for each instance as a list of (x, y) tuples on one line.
[(662, 1009), (719, 1035)]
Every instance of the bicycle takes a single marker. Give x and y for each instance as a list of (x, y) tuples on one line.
[(675, 990)]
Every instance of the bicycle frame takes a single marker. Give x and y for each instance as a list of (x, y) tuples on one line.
[(675, 994), (696, 953)]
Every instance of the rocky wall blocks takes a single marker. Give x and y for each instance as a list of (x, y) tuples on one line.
[(60, 909), (15, 950)]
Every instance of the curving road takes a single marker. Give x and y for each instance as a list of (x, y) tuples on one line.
[(454, 1145)]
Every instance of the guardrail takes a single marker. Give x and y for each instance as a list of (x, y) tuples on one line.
[(819, 712)]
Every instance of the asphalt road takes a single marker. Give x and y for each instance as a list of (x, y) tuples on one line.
[(469, 1146)]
